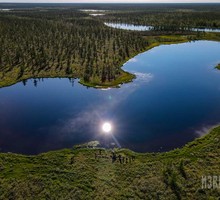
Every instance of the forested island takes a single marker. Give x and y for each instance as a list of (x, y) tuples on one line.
[(45, 41)]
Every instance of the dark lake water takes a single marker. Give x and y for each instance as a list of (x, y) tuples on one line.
[(175, 98)]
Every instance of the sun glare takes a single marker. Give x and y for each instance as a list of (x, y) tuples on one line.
[(106, 127)]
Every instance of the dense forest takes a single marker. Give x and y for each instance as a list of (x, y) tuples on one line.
[(50, 40), (62, 43)]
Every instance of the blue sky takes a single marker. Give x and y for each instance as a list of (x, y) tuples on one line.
[(111, 1)]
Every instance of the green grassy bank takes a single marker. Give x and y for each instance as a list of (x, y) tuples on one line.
[(77, 174)]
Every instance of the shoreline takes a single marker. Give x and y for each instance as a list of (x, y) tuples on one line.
[(126, 77), (95, 145), (168, 40), (88, 173)]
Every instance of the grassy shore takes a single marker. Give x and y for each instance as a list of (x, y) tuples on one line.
[(77, 174)]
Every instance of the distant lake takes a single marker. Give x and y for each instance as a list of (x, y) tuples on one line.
[(129, 27), (174, 99), (6, 9), (133, 27), (93, 10), (96, 14), (206, 30)]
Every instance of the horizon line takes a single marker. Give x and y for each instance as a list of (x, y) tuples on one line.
[(217, 2)]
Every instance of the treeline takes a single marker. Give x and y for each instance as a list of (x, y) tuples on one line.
[(117, 6), (62, 43), (171, 20)]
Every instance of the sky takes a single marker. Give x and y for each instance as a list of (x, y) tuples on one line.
[(110, 1)]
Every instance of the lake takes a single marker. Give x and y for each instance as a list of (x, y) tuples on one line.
[(133, 27), (174, 99), (129, 26)]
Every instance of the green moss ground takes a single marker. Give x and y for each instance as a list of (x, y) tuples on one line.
[(76, 174)]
